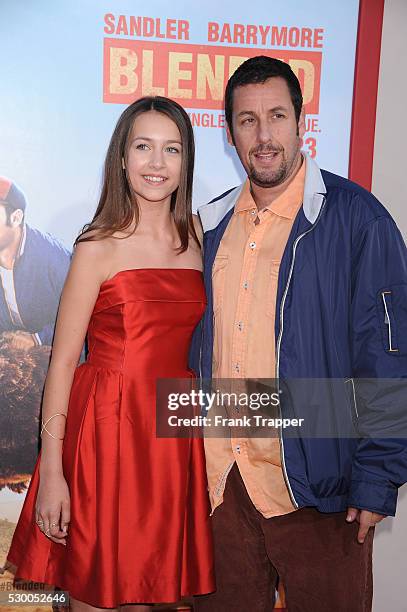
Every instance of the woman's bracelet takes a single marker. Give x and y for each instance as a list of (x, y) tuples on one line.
[(44, 425)]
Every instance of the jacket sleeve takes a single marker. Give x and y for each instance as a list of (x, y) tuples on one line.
[(378, 336), (58, 266), (45, 335)]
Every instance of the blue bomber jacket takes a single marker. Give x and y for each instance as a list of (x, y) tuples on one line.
[(341, 314), (39, 275)]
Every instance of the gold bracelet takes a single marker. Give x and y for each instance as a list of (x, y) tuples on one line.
[(44, 425)]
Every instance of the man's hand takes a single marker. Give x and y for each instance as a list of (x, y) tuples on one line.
[(365, 518), (20, 339)]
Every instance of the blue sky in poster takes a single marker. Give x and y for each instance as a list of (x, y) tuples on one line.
[(55, 127)]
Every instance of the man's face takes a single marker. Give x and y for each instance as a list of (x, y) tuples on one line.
[(265, 131), (7, 231)]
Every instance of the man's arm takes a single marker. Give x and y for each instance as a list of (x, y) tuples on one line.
[(379, 360)]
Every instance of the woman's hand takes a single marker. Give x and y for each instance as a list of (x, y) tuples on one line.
[(52, 508)]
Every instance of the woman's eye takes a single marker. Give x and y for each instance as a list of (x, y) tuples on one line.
[(142, 146), (172, 149)]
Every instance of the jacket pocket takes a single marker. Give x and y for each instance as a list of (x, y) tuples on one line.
[(218, 281), (272, 289), (392, 313)]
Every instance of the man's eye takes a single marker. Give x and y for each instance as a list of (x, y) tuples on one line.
[(248, 120), (278, 116)]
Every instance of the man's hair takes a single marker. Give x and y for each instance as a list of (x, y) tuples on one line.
[(258, 70)]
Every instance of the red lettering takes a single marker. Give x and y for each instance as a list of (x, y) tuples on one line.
[(318, 35), (238, 34), (122, 26), (213, 31), (135, 26), (306, 36), (158, 32), (263, 33), (171, 28), (251, 35), (278, 37), (226, 35), (294, 37), (148, 27), (109, 21), (183, 29)]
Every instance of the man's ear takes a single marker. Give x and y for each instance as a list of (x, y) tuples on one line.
[(301, 123), (229, 136), (16, 217)]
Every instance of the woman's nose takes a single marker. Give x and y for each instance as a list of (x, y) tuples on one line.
[(156, 159)]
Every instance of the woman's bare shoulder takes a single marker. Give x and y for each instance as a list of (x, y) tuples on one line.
[(94, 253)]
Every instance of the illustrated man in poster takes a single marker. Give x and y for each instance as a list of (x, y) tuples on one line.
[(306, 278), (33, 266)]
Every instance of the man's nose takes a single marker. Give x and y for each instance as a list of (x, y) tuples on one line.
[(264, 132)]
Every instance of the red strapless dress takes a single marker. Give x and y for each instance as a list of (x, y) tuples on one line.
[(139, 529)]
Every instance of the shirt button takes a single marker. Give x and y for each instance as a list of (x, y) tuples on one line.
[(240, 325), (237, 367), (252, 245), (245, 285), (237, 449)]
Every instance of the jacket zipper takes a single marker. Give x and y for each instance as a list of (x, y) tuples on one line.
[(280, 335), (354, 406), (387, 321)]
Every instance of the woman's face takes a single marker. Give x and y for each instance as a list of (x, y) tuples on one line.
[(154, 157)]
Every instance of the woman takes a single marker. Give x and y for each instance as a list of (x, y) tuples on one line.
[(115, 515)]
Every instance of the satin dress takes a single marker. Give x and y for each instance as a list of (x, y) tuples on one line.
[(139, 529)]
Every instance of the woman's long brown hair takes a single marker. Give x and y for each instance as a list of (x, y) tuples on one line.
[(118, 207)]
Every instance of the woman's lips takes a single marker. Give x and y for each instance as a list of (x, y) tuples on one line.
[(152, 179)]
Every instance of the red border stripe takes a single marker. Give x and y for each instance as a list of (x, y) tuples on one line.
[(367, 66)]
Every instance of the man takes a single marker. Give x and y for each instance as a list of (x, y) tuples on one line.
[(305, 272), (33, 267)]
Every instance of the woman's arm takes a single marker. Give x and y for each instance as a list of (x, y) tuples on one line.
[(88, 269)]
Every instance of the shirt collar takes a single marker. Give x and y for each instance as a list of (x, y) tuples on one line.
[(286, 205)]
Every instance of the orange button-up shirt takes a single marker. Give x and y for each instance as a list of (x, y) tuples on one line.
[(245, 278)]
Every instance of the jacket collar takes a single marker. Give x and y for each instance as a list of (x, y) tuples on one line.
[(314, 189), (22, 242)]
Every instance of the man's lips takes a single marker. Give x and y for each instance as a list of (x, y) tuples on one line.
[(266, 156)]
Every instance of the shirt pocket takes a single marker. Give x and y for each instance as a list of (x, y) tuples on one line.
[(392, 314), (219, 269), (272, 289)]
